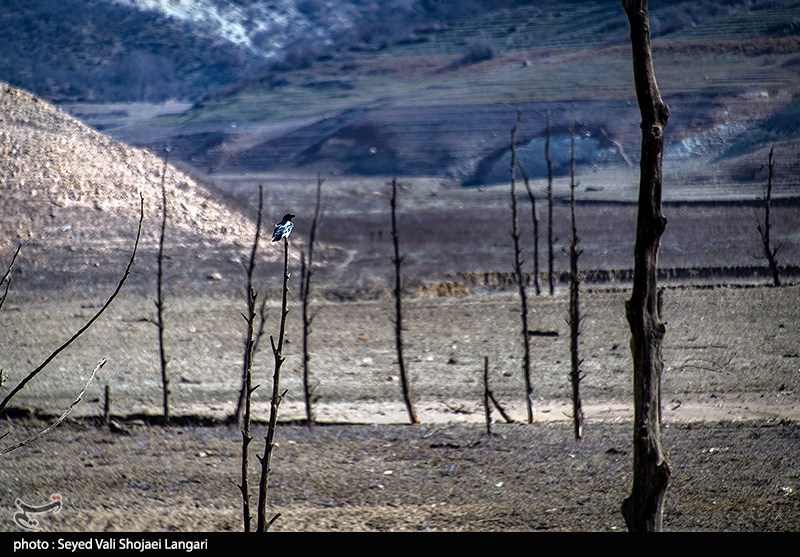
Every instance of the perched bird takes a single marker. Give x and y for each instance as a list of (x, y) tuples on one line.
[(283, 228)]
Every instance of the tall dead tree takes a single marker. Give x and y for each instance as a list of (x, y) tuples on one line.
[(764, 230), (549, 191), (307, 264), (243, 411), (535, 218), (520, 278), (253, 335), (262, 524), (160, 294), (398, 308), (643, 509), (574, 320)]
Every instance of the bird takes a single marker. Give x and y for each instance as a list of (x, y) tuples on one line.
[(283, 228)]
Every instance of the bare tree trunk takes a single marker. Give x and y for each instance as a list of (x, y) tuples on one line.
[(574, 320), (521, 285), (487, 409), (251, 337), (643, 509), (160, 295), (305, 296), (243, 413), (398, 321), (550, 241), (769, 252), (535, 219), (269, 439)]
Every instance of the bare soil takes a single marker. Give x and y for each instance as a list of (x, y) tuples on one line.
[(730, 407)]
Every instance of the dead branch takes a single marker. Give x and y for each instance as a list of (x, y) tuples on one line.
[(535, 219), (61, 418), (500, 409), (250, 338), (770, 253), (7, 277), (88, 324)]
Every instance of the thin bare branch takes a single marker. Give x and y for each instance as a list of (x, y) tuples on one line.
[(61, 418), (7, 276), (89, 323)]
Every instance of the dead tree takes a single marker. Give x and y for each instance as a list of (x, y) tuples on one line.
[(574, 319), (549, 191), (487, 410), (243, 412), (307, 263), (535, 219), (263, 524), (398, 308), (160, 294), (520, 278), (252, 336), (32, 374), (489, 400), (769, 253), (643, 509)]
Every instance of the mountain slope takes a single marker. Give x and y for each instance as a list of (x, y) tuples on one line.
[(71, 198), (440, 101)]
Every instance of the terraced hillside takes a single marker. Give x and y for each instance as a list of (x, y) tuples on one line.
[(441, 100)]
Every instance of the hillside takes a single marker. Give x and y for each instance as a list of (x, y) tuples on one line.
[(71, 199), (438, 98), (418, 88)]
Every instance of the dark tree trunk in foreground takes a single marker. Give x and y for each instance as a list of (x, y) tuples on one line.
[(770, 253), (520, 277), (398, 306), (643, 509)]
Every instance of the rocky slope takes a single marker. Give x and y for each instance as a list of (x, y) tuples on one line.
[(71, 195)]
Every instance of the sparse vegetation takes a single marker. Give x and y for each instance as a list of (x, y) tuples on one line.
[(535, 220)]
